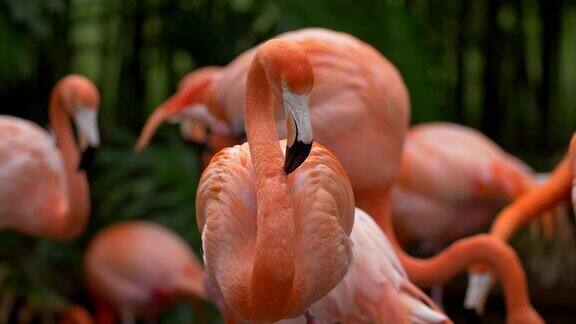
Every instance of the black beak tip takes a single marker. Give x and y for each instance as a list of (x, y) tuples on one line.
[(472, 317), (87, 159), (296, 154)]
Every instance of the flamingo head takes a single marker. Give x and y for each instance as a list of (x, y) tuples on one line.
[(81, 100), (479, 285), (190, 108), (291, 78)]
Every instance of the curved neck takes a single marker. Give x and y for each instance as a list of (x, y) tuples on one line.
[(459, 256), (535, 202), (274, 250), (456, 258), (62, 128), (77, 184)]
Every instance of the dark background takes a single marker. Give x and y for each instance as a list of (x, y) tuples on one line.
[(507, 68)]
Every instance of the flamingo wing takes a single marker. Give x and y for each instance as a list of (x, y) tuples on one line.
[(33, 187)]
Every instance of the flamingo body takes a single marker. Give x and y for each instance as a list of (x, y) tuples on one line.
[(137, 267), (226, 214), (452, 180), (33, 187), (43, 192), (359, 101), (357, 91)]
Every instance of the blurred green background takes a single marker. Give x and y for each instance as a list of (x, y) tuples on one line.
[(507, 68)]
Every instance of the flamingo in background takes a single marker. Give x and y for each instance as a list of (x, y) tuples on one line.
[(545, 197), (45, 191), (275, 229), (359, 110), (556, 189), (139, 267), (453, 179)]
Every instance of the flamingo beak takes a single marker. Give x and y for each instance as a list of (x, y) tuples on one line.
[(86, 120), (154, 121), (299, 129), (479, 285)]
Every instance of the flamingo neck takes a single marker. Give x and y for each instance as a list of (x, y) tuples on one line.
[(62, 128), (457, 257), (535, 202), (275, 238), (77, 184)]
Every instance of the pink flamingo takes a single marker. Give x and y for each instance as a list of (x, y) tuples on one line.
[(260, 212), (359, 109), (453, 179), (139, 267), (48, 195)]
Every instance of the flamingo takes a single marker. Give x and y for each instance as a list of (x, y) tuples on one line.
[(359, 110), (453, 179), (45, 192), (557, 189), (137, 268), (275, 233)]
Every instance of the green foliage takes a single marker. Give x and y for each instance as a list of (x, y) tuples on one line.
[(157, 184)]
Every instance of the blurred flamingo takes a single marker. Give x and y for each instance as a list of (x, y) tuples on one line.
[(545, 197), (359, 110), (453, 179), (138, 268), (45, 191), (260, 212)]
